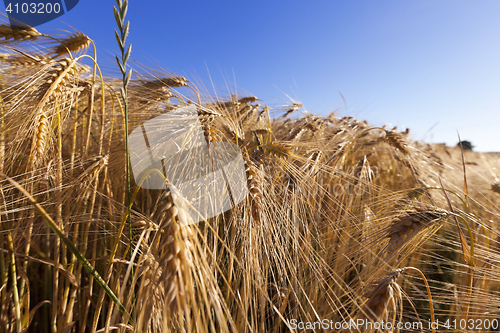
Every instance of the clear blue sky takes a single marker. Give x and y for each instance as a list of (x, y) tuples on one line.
[(415, 64)]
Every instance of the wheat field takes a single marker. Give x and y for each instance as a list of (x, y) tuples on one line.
[(346, 226)]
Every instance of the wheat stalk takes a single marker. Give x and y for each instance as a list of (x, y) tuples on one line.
[(121, 36)]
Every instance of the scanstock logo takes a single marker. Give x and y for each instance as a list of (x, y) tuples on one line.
[(205, 179), (36, 12)]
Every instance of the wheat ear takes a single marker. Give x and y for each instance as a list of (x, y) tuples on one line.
[(254, 183), (18, 32), (74, 43), (407, 226), (172, 82), (174, 251), (51, 89), (380, 297), (206, 116), (397, 141), (40, 138)]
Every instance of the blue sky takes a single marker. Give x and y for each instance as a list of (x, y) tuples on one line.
[(432, 66)]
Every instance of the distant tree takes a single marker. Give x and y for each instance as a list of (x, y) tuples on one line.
[(467, 145)]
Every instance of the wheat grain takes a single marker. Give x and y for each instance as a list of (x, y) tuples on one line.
[(262, 131), (93, 171), (208, 114)]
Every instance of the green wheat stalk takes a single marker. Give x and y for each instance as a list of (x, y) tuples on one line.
[(121, 38), (120, 11)]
